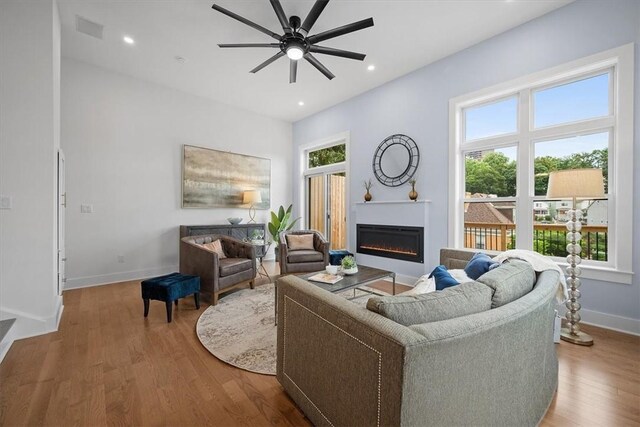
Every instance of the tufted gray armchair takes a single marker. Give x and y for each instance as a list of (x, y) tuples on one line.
[(303, 260), (218, 275)]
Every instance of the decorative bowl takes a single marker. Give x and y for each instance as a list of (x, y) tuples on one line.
[(349, 271), (234, 220)]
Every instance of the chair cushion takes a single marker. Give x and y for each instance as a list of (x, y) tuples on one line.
[(300, 242), (479, 264), (216, 247), (305, 256), (229, 266), (456, 301), (509, 281)]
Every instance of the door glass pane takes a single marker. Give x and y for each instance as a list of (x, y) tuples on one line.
[(490, 225), (327, 156), (550, 232), (491, 173), (338, 210), (497, 118), (579, 100), (585, 151), (317, 203)]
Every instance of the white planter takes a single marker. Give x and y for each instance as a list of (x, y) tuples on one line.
[(349, 271)]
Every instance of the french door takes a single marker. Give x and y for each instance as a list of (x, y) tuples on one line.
[(327, 206)]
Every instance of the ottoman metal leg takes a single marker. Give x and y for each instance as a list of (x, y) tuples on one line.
[(169, 308), (176, 301), (196, 297), (146, 307)]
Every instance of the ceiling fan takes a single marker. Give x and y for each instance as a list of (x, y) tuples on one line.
[(296, 43)]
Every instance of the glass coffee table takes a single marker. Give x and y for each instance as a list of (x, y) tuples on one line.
[(352, 281)]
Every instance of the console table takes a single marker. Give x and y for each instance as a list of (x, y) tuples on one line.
[(239, 231)]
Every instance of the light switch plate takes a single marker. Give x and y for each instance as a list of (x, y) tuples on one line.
[(86, 208), (6, 202)]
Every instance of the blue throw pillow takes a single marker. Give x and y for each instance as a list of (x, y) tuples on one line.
[(443, 278), (479, 264)]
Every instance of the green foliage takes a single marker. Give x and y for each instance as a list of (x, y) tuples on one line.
[(348, 262), (496, 174), (281, 222), (328, 156)]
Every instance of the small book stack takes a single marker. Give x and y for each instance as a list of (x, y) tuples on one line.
[(326, 278)]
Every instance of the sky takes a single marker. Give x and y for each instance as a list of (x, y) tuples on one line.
[(579, 100)]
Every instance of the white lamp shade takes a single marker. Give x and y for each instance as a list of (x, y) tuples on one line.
[(579, 183), (251, 197)]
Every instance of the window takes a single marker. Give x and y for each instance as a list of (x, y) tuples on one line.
[(327, 156), (506, 140)]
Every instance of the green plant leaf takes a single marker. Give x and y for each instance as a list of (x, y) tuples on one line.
[(281, 213), (293, 223), (274, 231), (275, 220), (289, 208)]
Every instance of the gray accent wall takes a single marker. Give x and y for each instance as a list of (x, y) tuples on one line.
[(417, 104)]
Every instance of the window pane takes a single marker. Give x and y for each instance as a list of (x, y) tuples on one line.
[(490, 225), (550, 231), (491, 173), (494, 119), (327, 156), (585, 151), (580, 100)]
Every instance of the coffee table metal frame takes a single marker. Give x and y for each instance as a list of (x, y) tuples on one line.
[(353, 281)]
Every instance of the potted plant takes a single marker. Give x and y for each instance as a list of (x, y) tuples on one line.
[(367, 186), (349, 265), (280, 222)]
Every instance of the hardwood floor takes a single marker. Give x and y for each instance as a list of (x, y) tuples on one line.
[(107, 365)]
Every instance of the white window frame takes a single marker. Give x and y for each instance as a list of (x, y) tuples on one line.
[(306, 172), (620, 61)]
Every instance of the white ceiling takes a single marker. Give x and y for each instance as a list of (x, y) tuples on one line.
[(407, 35)]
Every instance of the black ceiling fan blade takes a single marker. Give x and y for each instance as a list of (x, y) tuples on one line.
[(249, 45), (340, 31), (313, 15), (313, 61), (268, 61), (293, 70), (337, 52), (277, 8), (246, 21)]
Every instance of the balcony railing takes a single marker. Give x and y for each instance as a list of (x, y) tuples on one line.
[(548, 239)]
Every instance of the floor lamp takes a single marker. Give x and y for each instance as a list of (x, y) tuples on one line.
[(575, 184), (252, 198)]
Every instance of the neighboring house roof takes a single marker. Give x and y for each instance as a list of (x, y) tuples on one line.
[(484, 212)]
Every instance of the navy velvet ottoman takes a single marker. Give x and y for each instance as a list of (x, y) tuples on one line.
[(335, 256), (170, 288)]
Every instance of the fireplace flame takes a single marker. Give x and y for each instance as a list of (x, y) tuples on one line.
[(395, 250)]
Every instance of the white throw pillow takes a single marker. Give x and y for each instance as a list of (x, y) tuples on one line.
[(424, 285), (460, 276)]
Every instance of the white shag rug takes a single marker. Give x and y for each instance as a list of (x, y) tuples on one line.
[(240, 330)]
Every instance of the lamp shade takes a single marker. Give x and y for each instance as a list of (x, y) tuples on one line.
[(579, 183), (251, 197)]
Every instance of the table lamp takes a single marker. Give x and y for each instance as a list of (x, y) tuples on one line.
[(251, 198), (575, 184)]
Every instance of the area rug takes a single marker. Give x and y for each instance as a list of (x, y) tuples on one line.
[(240, 330)]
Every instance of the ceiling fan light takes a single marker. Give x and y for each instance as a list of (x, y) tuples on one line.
[(295, 53)]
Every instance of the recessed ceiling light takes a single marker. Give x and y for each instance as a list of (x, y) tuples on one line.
[(371, 67), (180, 59), (128, 40), (301, 103)]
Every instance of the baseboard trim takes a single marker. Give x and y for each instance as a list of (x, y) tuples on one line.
[(7, 342), (610, 321), (105, 279), (28, 325)]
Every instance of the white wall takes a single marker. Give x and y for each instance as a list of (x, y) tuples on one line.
[(122, 139), (29, 140)]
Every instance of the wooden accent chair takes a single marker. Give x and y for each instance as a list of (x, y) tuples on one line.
[(218, 275), (303, 260)]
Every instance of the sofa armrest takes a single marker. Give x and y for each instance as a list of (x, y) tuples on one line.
[(199, 262), (341, 363)]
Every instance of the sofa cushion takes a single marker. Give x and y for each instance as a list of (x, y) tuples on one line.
[(229, 266), (509, 281), (216, 247), (455, 301), (300, 242), (443, 278), (478, 265), (305, 256)]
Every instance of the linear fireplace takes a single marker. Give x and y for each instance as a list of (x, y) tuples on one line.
[(391, 241)]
